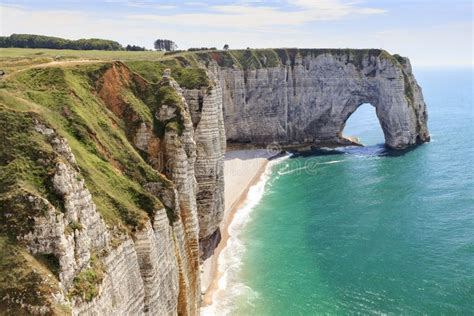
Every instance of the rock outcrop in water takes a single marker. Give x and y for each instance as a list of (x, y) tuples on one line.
[(112, 186)]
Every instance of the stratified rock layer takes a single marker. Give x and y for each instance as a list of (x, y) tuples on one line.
[(180, 157), (205, 106), (140, 275)]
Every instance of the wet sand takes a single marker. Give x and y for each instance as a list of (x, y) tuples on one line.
[(242, 169)]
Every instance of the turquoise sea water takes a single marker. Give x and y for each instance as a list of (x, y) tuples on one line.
[(360, 231)]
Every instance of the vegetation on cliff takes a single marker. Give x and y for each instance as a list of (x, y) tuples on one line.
[(26, 165), (97, 107), (26, 283), (86, 283), (261, 58), (186, 72), (66, 98)]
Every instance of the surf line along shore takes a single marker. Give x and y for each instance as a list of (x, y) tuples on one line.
[(242, 170)]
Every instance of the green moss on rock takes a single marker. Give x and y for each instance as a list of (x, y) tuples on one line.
[(25, 283), (167, 96), (408, 90), (86, 283), (400, 59)]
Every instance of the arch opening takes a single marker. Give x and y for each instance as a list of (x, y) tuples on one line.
[(363, 126)]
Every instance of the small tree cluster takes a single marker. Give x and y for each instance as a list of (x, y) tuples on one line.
[(134, 48), (166, 45)]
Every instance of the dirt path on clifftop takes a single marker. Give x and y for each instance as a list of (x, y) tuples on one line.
[(55, 63)]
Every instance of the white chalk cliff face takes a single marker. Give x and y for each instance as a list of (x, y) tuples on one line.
[(302, 98), (307, 100), (142, 274), (205, 106)]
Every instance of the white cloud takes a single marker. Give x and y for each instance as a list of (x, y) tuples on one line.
[(20, 20), (196, 3), (332, 9), (258, 16), (149, 5)]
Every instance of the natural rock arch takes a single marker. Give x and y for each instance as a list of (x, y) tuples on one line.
[(307, 100), (397, 121), (398, 115), (355, 118)]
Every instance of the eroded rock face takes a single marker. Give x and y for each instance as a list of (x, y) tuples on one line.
[(153, 273), (73, 235), (205, 106), (180, 158), (309, 99)]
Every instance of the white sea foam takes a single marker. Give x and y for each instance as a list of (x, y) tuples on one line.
[(230, 287), (286, 169), (330, 162)]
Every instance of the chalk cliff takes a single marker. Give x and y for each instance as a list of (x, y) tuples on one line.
[(304, 97), (206, 111), (111, 188)]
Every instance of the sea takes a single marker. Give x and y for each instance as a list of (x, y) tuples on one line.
[(363, 230)]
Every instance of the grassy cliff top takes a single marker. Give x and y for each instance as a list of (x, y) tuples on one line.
[(261, 58), (13, 59)]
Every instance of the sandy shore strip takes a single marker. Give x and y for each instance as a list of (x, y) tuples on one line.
[(242, 169)]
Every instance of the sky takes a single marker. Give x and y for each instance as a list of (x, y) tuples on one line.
[(429, 32)]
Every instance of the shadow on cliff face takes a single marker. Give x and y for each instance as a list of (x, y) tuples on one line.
[(380, 150)]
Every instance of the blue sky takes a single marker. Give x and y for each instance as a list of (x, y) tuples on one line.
[(430, 32)]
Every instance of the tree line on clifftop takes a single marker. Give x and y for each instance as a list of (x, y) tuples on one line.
[(51, 42), (40, 41)]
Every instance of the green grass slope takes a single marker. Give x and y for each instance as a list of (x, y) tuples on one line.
[(99, 128)]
